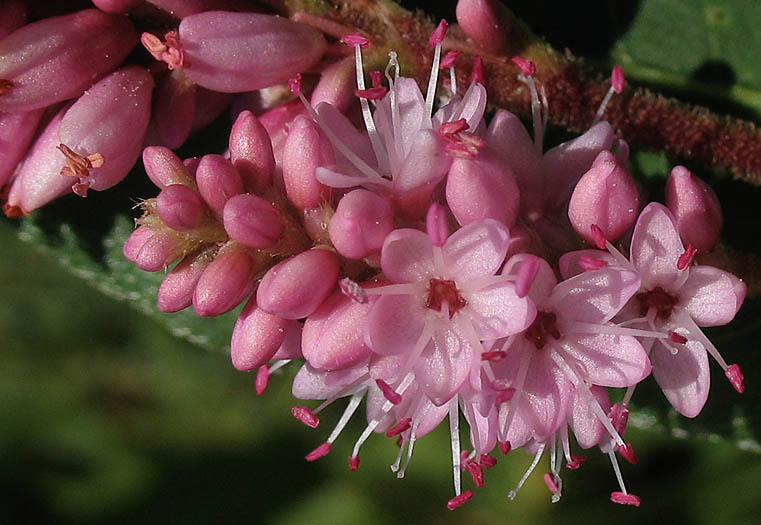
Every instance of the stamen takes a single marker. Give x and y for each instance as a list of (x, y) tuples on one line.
[(527, 67), (476, 472), (677, 338), (504, 396), (528, 472), (487, 461), (459, 500), (353, 463), (505, 447), (400, 427), (305, 415), (410, 447), (576, 462), (454, 127), (494, 355), (617, 82), (376, 78), (321, 451), (374, 93), (435, 41), (625, 499), (590, 263), (549, 480), (454, 433), (617, 472), (526, 275), (477, 73), (294, 84), (352, 290), (686, 258), (449, 59), (356, 39), (351, 407), (279, 364), (736, 378), (627, 452), (619, 416), (598, 236), (388, 392), (262, 379)]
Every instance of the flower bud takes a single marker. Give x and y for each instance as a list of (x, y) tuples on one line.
[(96, 125), (277, 121), (174, 108), (159, 251), (252, 221), (336, 86), (306, 149), (16, 134), (696, 209), (165, 168), (605, 196), (217, 181), (360, 224), (236, 52), (257, 336), (294, 288), (136, 241), (177, 288), (227, 281), (118, 7), (483, 21), (333, 336), (251, 152), (57, 58), (39, 180), (482, 188), (180, 207)]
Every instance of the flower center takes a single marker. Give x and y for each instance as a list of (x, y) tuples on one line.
[(543, 327), (442, 291), (659, 299)]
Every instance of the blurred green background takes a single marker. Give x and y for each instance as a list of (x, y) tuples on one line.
[(106, 418)]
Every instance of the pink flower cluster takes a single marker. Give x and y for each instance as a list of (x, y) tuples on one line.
[(435, 264)]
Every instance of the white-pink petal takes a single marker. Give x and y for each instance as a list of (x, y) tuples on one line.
[(476, 250), (407, 256), (594, 296), (684, 377), (496, 311), (711, 296), (607, 360), (395, 324), (655, 249)]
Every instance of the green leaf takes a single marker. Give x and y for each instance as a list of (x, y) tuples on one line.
[(707, 48)]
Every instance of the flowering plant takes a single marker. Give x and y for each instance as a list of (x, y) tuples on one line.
[(420, 253)]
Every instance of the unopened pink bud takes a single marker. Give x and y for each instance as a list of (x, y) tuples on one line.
[(57, 58), (182, 8), (118, 7), (257, 336), (483, 21), (251, 152), (482, 188), (252, 221), (296, 287), (177, 288), (277, 121), (39, 180), (109, 120), (16, 134), (306, 149), (695, 207), (217, 181), (606, 196), (336, 85), (135, 242), (333, 336), (159, 251), (13, 14), (174, 108), (236, 52), (180, 207), (227, 281), (360, 224), (165, 168)]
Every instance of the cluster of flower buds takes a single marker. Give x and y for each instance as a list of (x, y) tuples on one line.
[(437, 264)]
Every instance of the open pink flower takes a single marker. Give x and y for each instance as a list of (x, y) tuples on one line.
[(447, 300)]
